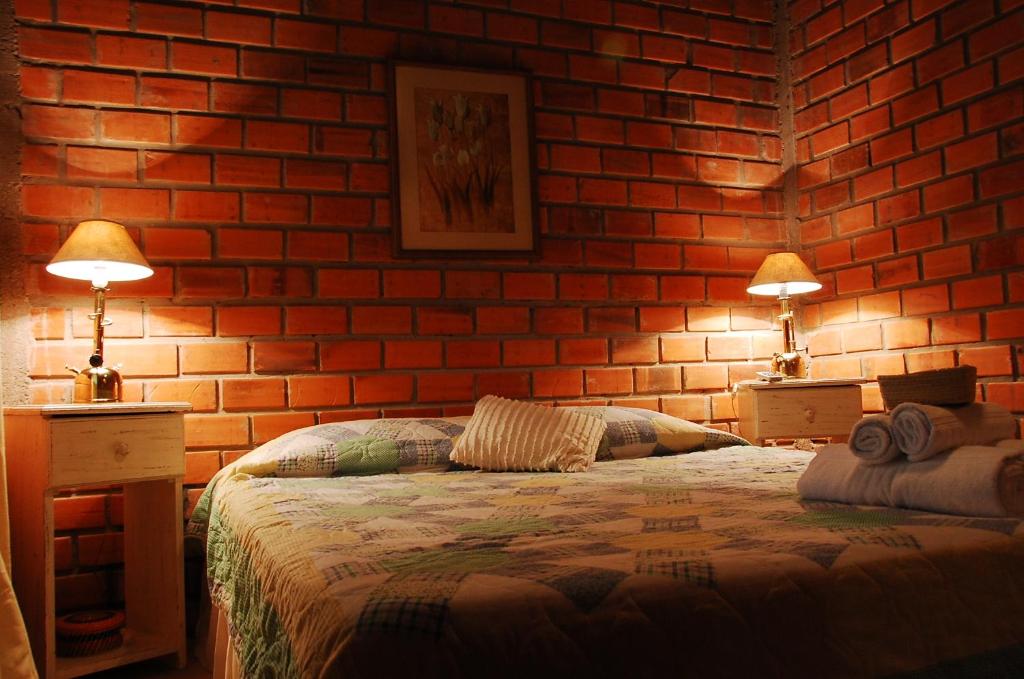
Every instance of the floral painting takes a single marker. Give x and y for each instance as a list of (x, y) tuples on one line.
[(463, 157), (463, 153)]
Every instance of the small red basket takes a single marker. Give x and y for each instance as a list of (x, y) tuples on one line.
[(88, 632)]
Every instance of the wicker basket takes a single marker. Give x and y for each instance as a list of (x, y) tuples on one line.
[(946, 387), (89, 632)]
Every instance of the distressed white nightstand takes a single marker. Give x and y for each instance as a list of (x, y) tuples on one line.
[(137, 445), (798, 408)]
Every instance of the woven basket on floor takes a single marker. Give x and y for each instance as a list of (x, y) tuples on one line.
[(945, 387)]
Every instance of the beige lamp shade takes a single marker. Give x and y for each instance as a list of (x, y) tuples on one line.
[(99, 251), (783, 271)]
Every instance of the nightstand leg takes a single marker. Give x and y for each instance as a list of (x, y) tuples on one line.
[(154, 579)]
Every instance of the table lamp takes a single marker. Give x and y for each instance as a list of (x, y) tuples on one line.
[(98, 251), (785, 274)]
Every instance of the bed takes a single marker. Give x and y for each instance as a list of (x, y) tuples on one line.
[(705, 565)]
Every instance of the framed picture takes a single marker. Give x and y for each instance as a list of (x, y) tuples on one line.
[(463, 161)]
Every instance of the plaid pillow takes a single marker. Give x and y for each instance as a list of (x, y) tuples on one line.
[(636, 432), (358, 447)]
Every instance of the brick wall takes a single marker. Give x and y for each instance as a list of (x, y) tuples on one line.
[(909, 134), (246, 148)]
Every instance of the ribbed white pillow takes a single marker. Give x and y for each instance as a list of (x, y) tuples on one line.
[(506, 435)]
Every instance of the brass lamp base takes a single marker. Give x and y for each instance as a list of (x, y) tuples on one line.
[(97, 384), (790, 364)]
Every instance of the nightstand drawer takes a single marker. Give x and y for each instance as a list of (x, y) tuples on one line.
[(812, 411), (112, 449)]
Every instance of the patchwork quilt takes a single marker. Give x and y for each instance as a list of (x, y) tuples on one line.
[(697, 565)]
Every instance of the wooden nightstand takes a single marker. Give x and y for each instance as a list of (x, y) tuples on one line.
[(137, 445), (798, 409)]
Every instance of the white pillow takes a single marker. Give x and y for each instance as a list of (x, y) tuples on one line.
[(504, 435)]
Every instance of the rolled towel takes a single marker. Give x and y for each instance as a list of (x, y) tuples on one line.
[(922, 431), (872, 441), (970, 480)]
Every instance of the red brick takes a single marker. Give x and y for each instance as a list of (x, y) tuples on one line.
[(873, 183), (996, 36), (206, 59), (1001, 179), (57, 201), (918, 169), (276, 207), (557, 383), (102, 164), (292, 356), (434, 387), (164, 20), (206, 206), (407, 284), (978, 292), (971, 153), (253, 394), (926, 300), (881, 305), (185, 321), (136, 127), (939, 130), (248, 321), (999, 108), (120, 50), (1004, 324), (921, 102), (96, 13), (940, 62), (949, 193), (967, 84), (244, 98), (897, 271), (633, 288), (662, 319), (528, 352), (381, 320), (906, 333), (990, 361), (956, 329), (913, 41), (38, 82), (459, 320), (214, 358), (589, 351), (267, 427), (899, 207), (972, 223), (177, 243), (208, 131), (248, 170), (412, 354), (192, 168)]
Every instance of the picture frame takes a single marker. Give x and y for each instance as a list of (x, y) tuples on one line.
[(463, 164)]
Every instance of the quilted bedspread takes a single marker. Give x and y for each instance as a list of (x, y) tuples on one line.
[(698, 565)]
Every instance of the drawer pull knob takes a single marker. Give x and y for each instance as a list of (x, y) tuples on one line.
[(810, 413), (121, 450)]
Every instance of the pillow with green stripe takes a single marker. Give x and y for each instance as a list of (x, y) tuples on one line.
[(635, 432)]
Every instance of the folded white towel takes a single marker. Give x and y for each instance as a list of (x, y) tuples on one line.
[(872, 440), (922, 431), (970, 480)]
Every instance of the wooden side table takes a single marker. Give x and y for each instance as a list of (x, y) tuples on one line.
[(798, 408), (138, 445)]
